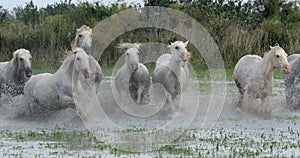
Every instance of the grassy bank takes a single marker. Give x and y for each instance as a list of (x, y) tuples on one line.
[(202, 74)]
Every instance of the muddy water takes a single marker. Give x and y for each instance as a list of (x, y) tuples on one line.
[(233, 126)]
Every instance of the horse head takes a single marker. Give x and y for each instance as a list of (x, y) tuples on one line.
[(131, 55), (279, 59), (22, 60), (179, 51), (83, 39), (132, 58), (82, 62)]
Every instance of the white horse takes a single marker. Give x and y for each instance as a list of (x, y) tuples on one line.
[(83, 39), (133, 77), (292, 83), (172, 72), (54, 91), (15, 73), (253, 76)]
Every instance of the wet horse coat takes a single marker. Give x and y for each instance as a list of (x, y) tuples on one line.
[(292, 83), (54, 91), (83, 40), (172, 72), (133, 76), (15, 73), (253, 76)]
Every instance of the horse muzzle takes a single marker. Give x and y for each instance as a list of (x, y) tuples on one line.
[(287, 69), (87, 73), (186, 56), (28, 72)]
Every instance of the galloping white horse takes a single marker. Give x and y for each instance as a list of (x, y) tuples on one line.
[(253, 76), (15, 73), (83, 40), (54, 91), (133, 76), (172, 72)]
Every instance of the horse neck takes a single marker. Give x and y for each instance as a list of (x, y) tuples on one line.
[(75, 78), (267, 65), (67, 67), (175, 65), (16, 75)]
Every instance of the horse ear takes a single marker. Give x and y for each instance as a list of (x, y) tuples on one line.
[(186, 43), (169, 46), (271, 47)]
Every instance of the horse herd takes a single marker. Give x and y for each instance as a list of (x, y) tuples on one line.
[(252, 74)]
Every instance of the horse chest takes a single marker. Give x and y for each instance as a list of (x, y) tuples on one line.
[(172, 84), (64, 85), (259, 86)]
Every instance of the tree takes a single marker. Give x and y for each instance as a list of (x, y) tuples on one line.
[(29, 15), (163, 3), (3, 14)]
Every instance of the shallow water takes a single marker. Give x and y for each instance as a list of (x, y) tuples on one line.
[(235, 133)]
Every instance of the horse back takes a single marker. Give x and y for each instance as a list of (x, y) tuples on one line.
[(246, 65), (244, 68)]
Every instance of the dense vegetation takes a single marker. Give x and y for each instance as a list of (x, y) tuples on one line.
[(237, 27)]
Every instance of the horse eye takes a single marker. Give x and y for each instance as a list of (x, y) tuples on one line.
[(177, 48), (277, 56), (30, 59), (77, 58), (127, 54), (21, 59), (79, 35)]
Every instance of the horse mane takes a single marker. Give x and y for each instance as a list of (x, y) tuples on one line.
[(67, 54), (82, 28), (129, 45), (15, 57)]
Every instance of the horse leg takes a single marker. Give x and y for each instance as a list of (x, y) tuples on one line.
[(240, 101), (64, 102), (248, 102), (266, 108), (139, 94), (171, 104)]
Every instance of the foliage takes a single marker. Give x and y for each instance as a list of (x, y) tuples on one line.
[(238, 27)]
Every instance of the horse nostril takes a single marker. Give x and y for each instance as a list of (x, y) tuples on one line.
[(28, 72), (87, 73), (287, 69)]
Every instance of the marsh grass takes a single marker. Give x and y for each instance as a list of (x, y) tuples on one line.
[(233, 141)]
